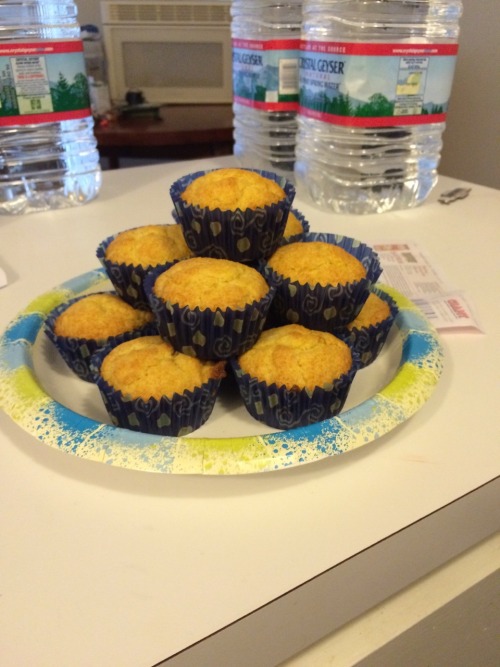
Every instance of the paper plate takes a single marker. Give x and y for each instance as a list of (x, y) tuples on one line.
[(39, 404)]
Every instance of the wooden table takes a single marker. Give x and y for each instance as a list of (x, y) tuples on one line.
[(177, 132)]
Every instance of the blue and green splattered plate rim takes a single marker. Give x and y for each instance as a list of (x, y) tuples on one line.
[(25, 401)]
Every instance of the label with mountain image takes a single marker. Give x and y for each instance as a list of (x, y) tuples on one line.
[(266, 73), (371, 85), (43, 82)]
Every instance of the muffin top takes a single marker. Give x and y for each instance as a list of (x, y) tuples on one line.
[(293, 226), (150, 245), (99, 316), (295, 356), (374, 311), (163, 371), (316, 262), (230, 189), (205, 282)]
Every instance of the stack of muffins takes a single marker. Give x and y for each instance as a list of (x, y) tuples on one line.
[(240, 286)]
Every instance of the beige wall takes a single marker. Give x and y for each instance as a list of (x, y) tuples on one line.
[(89, 11), (472, 138)]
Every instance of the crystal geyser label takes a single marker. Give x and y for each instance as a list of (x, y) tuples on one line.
[(371, 85), (42, 82), (266, 73)]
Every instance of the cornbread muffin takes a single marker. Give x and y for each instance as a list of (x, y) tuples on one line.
[(82, 325), (322, 281), (99, 316), (148, 246), (316, 263), (374, 311), (127, 256), (296, 226), (235, 214), (297, 357), (204, 282), (294, 376), (147, 386), (368, 332), (231, 189), (209, 308), (164, 372)]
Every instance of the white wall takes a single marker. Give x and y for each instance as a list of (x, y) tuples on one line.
[(472, 138)]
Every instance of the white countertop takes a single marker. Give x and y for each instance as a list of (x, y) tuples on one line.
[(106, 566)]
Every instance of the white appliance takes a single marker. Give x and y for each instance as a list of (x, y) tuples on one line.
[(173, 52)]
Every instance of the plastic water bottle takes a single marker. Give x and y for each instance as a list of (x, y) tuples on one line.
[(95, 66), (266, 48), (93, 52), (375, 81), (48, 152)]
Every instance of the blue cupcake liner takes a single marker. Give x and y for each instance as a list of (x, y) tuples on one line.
[(324, 308), (77, 352), (284, 408), (177, 416), (127, 279), (208, 334), (241, 236), (369, 341)]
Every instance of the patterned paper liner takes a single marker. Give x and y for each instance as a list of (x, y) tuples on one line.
[(323, 308), (369, 341), (208, 334), (242, 236), (176, 416), (127, 279), (77, 352), (23, 398), (284, 408)]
